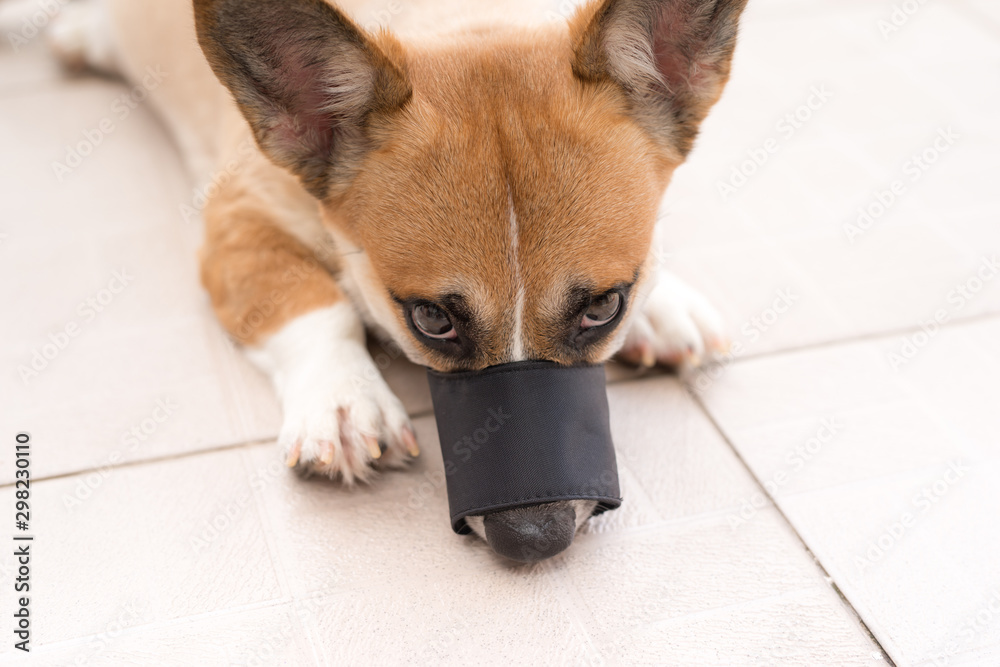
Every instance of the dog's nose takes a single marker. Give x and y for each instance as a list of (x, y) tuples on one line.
[(529, 534)]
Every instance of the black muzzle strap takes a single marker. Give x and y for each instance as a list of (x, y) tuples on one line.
[(524, 433)]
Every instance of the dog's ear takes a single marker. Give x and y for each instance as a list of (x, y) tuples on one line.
[(671, 57), (307, 79)]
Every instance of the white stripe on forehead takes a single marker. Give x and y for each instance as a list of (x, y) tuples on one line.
[(517, 339)]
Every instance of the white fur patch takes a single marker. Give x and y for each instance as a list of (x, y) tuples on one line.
[(517, 339), (332, 394)]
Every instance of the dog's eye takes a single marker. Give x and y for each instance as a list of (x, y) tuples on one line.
[(433, 322), (601, 310)]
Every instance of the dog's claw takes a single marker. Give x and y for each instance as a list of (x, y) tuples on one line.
[(678, 324), (647, 357), (293, 455), (373, 448), (720, 345), (411, 443), (326, 454)]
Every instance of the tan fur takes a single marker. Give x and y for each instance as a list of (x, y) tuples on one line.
[(258, 276)]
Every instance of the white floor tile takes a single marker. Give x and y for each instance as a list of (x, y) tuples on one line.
[(268, 635), (886, 473), (802, 628), (680, 464), (912, 556), (682, 569), (162, 542), (457, 616)]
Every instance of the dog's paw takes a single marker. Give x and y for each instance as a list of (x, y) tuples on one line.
[(342, 420), (677, 326)]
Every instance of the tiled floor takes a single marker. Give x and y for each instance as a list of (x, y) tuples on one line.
[(824, 497)]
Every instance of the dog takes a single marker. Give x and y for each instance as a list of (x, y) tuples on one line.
[(478, 184)]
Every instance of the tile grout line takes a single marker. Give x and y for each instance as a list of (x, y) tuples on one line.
[(867, 336), (139, 462), (763, 489), (170, 457)]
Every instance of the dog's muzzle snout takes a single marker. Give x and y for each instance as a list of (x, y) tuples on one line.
[(518, 440)]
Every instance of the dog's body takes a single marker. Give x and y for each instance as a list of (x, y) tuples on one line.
[(476, 191)]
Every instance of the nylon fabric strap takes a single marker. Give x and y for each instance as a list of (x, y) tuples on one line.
[(524, 433)]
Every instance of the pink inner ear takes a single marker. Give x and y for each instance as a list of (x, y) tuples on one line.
[(305, 121), (296, 76), (677, 47)]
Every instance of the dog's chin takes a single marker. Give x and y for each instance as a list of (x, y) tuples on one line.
[(533, 533)]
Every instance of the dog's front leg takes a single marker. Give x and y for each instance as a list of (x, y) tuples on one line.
[(271, 293)]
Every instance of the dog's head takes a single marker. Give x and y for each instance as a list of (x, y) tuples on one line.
[(494, 192)]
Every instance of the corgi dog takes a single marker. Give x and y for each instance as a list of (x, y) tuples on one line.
[(478, 182)]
